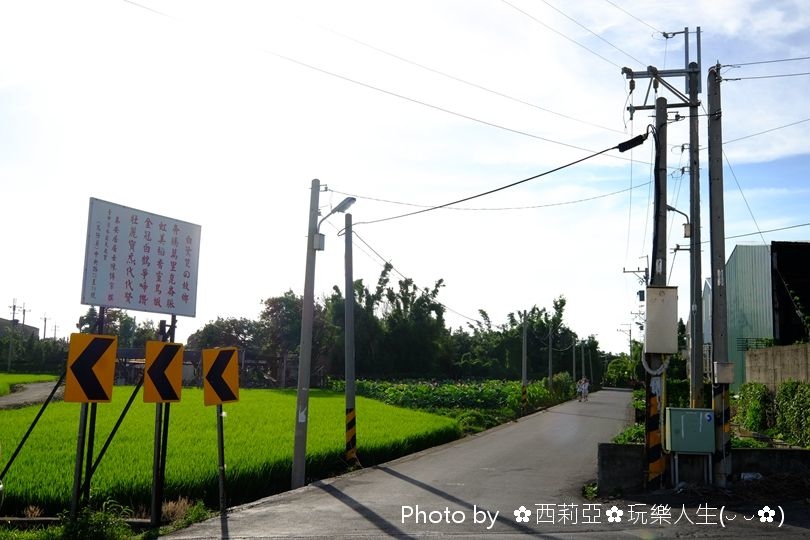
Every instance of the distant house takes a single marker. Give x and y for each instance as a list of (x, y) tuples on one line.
[(767, 295)]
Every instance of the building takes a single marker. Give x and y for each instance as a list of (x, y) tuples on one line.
[(768, 299), (15, 326)]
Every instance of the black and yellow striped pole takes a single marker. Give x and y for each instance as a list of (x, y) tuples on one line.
[(654, 454), (351, 416), (351, 437), (721, 460)]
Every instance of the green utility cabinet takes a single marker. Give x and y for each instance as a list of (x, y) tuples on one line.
[(689, 430)]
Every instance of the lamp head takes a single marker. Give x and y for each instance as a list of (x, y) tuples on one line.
[(344, 204)]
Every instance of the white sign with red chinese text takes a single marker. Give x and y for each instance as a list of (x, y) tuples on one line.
[(140, 261)]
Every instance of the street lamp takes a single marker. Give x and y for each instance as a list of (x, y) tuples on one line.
[(687, 228), (314, 243)]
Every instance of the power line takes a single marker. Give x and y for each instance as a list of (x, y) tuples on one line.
[(740, 64), (403, 276), (766, 131), (532, 207), (622, 147), (594, 33), (761, 233), (767, 76), (538, 21), (401, 96), (463, 81), (636, 18)]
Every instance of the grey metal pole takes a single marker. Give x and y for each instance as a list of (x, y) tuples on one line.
[(549, 355), (77, 471), (582, 354), (696, 329), (524, 379), (351, 430), (574, 361), (720, 404), (305, 349), (223, 506)]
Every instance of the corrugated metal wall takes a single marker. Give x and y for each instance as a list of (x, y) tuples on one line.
[(750, 304)]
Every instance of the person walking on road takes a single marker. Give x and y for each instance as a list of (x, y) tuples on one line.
[(579, 390), (584, 383)]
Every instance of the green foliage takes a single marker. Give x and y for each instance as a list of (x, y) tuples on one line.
[(632, 435), (258, 446), (590, 491), (755, 406), (677, 392), (105, 524), (747, 442), (793, 412)]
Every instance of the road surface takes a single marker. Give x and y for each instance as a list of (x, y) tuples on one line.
[(30, 394), (479, 486)]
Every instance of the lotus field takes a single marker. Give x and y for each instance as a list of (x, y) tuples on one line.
[(258, 430)]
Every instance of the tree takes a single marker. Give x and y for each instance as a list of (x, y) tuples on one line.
[(231, 332)]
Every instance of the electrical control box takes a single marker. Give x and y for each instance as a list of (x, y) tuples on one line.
[(689, 430), (661, 330)]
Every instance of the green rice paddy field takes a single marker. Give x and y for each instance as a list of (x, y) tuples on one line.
[(259, 431)]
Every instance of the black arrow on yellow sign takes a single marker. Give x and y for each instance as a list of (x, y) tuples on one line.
[(82, 368), (214, 376), (157, 372)]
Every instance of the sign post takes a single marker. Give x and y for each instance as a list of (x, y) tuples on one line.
[(89, 379), (162, 386), (220, 385)]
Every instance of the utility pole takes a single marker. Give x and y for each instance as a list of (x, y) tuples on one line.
[(574, 361), (348, 337), (305, 349), (696, 353), (524, 379), (582, 354), (654, 362), (44, 326), (549, 355), (13, 307), (722, 369)]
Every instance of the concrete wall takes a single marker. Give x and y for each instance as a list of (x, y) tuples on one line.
[(774, 365), (621, 466)]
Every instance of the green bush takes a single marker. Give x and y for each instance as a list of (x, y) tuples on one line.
[(755, 406)]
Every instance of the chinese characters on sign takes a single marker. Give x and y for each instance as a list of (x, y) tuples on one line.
[(140, 261)]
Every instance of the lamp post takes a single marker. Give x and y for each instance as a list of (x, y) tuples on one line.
[(314, 243)]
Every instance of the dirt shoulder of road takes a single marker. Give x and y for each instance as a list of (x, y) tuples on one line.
[(23, 395)]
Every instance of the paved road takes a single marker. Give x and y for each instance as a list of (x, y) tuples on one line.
[(472, 488), (30, 394)]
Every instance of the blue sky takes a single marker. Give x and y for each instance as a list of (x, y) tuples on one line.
[(221, 113)]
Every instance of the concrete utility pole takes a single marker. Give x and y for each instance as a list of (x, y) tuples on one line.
[(305, 348), (722, 369), (695, 273), (574, 361), (351, 429), (655, 459), (549, 355)]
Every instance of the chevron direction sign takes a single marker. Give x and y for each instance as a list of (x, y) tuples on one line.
[(163, 372), (220, 375), (90, 368)]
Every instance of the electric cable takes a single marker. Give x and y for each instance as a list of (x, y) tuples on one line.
[(639, 62), (656, 30), (538, 21), (766, 76), (463, 81), (508, 208), (766, 131), (621, 147), (740, 64)]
